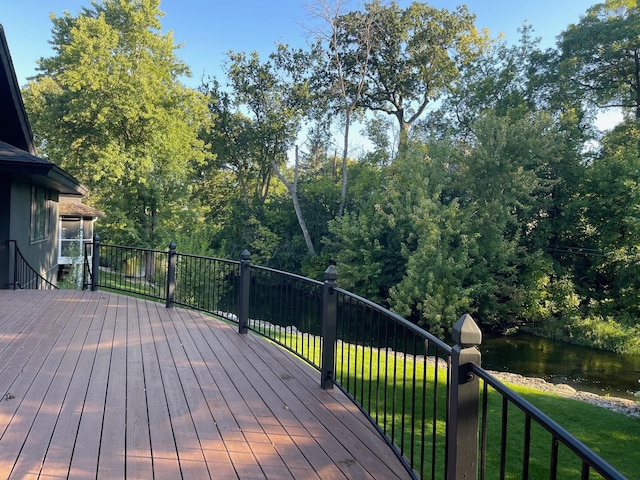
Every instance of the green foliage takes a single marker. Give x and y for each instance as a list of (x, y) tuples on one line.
[(497, 212), (109, 107), (618, 334), (600, 54), (610, 207), (499, 79), (473, 210), (412, 56), (365, 247), (433, 290), (435, 281), (505, 185), (505, 202), (259, 117)]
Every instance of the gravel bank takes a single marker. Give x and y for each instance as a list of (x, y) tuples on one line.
[(619, 405)]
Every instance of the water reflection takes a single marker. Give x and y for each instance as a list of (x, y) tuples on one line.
[(583, 368)]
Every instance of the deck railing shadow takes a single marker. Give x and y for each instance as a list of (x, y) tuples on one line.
[(431, 402)]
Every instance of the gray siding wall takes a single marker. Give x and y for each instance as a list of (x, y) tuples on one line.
[(5, 208), (42, 255)]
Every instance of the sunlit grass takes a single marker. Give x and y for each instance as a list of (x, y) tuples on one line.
[(399, 391)]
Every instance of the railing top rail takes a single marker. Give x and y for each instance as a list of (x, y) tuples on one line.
[(138, 249), (287, 274), (571, 442), (400, 320), (235, 295)]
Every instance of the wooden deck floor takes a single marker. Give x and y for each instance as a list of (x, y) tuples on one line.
[(109, 386)]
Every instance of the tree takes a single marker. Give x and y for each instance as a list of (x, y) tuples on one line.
[(348, 49), (505, 184), (413, 56), (109, 107), (276, 94), (365, 243), (602, 54), (473, 208), (610, 204), (497, 79), (237, 146), (439, 248)]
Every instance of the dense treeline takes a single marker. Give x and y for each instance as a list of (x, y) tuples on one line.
[(486, 189)]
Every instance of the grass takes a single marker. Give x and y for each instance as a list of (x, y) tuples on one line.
[(613, 436), (376, 380)]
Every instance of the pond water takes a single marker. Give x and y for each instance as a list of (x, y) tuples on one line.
[(583, 368)]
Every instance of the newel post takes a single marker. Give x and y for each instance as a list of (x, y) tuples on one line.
[(462, 426), (243, 294), (329, 328), (95, 263), (171, 274)]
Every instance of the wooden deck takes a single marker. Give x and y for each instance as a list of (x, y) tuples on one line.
[(109, 386)]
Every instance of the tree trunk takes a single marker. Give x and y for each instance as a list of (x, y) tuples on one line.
[(405, 126), (293, 190), (345, 153)]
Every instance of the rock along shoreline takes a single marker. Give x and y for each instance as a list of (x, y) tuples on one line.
[(619, 405)]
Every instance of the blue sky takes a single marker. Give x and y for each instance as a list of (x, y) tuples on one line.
[(210, 28)]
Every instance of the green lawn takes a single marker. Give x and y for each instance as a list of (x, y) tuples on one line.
[(613, 436)]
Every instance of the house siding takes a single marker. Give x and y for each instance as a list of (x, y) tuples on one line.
[(5, 216), (43, 255)]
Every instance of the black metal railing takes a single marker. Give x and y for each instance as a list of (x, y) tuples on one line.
[(398, 374), (286, 308), (203, 283), (24, 275), (140, 271), (505, 415), (422, 395), (206, 283)]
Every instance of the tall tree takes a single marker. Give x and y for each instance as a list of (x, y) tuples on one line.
[(348, 42), (109, 107), (439, 245), (601, 53), (236, 146), (473, 207), (496, 79), (507, 184), (413, 56)]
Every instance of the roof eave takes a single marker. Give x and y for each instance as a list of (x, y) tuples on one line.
[(68, 184), (16, 96)]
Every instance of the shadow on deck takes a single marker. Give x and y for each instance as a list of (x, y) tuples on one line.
[(94, 384)]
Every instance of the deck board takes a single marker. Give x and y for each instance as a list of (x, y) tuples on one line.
[(84, 462), (100, 385)]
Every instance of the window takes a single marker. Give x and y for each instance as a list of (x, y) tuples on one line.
[(71, 237), (39, 215)]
